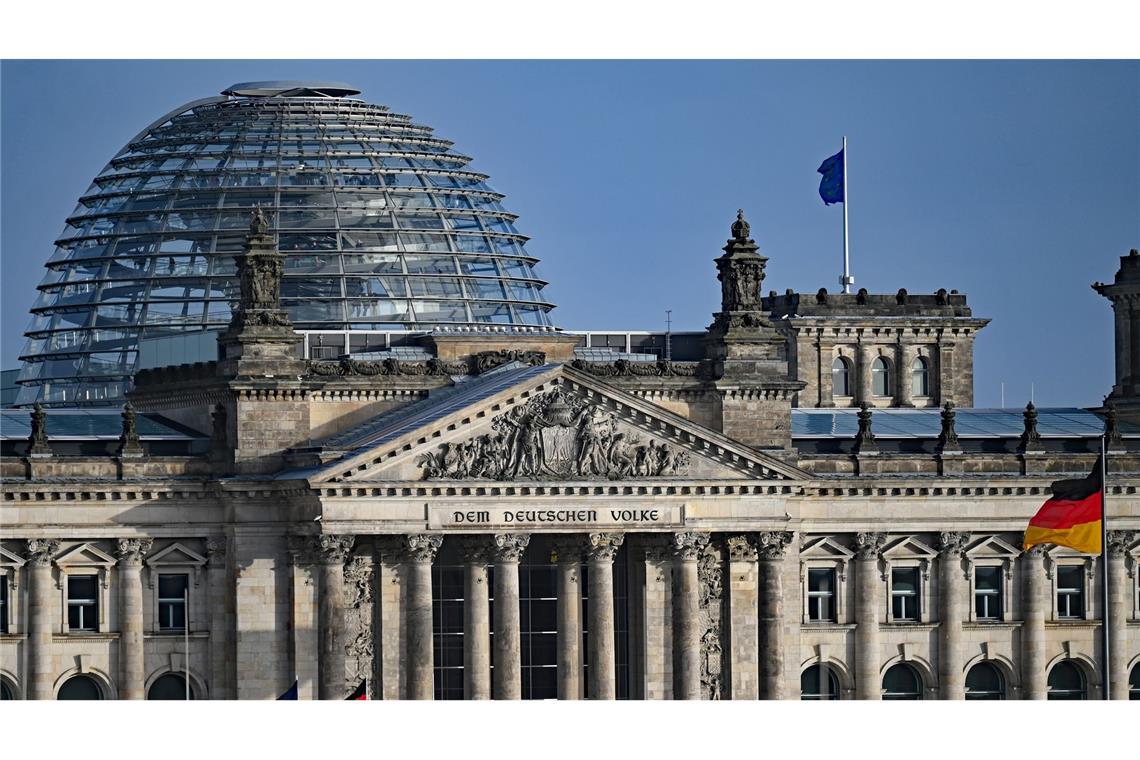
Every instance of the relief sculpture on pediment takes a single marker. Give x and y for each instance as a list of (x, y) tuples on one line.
[(555, 436)]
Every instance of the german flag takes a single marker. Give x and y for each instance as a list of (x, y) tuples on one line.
[(1072, 516), (360, 693)]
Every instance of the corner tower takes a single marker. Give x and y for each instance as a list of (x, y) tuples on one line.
[(1124, 293)]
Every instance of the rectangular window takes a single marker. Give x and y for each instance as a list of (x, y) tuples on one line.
[(904, 594), (83, 603), (172, 590), (821, 595), (987, 593), (1070, 592)]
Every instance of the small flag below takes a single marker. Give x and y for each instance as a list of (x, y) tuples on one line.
[(290, 693), (1071, 517), (831, 186), (360, 693)]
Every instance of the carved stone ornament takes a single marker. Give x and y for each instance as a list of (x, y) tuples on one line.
[(391, 366), (688, 545), (711, 604), (38, 440), (332, 550), (1112, 428), (41, 550), (948, 437), (952, 543), (484, 361), (216, 550), (626, 368), (742, 549), (131, 550), (259, 271), (740, 270), (864, 438), (869, 545), (556, 436), (603, 546), (359, 648), (1118, 541), (509, 547), (422, 547), (474, 549), (1030, 438), (773, 544), (129, 444)]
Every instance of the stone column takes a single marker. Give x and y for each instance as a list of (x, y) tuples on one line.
[(951, 679), (864, 390), (42, 603), (420, 550), (476, 619), (903, 391), (1120, 589), (219, 624), (569, 552), (868, 649), (331, 552), (507, 550), (687, 548), (1034, 605), (132, 679), (601, 550), (772, 546)]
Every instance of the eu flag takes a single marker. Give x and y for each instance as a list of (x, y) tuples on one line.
[(831, 186)]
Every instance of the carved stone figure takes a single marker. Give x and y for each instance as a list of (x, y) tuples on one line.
[(864, 438), (484, 361), (1030, 438), (129, 444), (627, 368), (359, 649), (259, 271), (869, 545), (131, 550), (554, 436), (38, 440), (711, 605), (948, 437), (773, 544)]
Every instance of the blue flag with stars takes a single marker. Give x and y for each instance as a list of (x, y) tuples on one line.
[(831, 186)]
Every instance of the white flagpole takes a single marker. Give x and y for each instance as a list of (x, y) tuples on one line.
[(1106, 669), (186, 638), (847, 278)]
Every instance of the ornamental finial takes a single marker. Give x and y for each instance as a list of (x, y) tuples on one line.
[(258, 223), (740, 228)]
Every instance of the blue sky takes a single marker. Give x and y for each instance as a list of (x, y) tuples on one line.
[(1017, 183)]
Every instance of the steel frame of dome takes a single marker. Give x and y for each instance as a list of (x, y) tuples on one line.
[(382, 226)]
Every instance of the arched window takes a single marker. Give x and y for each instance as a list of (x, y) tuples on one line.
[(919, 377), (819, 682), (880, 377), (1134, 683), (984, 681), (6, 692), (1066, 681), (169, 686), (840, 377), (80, 687), (902, 682)]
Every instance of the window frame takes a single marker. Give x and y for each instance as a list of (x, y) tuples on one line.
[(1070, 591), (918, 677), (184, 601), (848, 365), (1000, 593), (833, 595), (1003, 683), (176, 559), (94, 602), (832, 674), (1084, 692), (917, 595), (5, 602), (884, 373), (1071, 563), (924, 362)]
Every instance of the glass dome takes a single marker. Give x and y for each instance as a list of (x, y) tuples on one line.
[(383, 229)]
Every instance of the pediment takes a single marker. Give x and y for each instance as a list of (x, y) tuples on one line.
[(552, 424), (992, 547), (825, 547), (1061, 552), (10, 559), (176, 554), (85, 555), (908, 547)]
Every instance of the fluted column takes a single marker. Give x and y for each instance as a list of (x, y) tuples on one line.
[(600, 551), (476, 619), (569, 551), (42, 603), (687, 548), (132, 681), (1034, 605), (1119, 589), (218, 624), (772, 546), (506, 551), (331, 552), (950, 579), (420, 551), (868, 649)]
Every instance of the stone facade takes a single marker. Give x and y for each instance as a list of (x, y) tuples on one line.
[(352, 516)]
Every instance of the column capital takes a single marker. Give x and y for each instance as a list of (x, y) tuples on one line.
[(422, 547), (331, 549), (216, 551), (1037, 552), (952, 543), (1118, 541), (688, 545), (475, 550), (869, 545), (131, 550), (569, 547), (773, 544), (742, 549), (41, 550), (604, 546), (509, 547)]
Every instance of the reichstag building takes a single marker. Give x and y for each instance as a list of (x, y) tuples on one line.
[(294, 407)]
